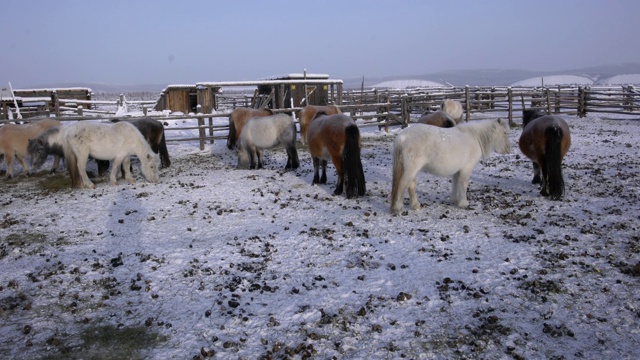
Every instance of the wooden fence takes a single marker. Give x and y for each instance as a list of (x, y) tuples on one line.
[(385, 108)]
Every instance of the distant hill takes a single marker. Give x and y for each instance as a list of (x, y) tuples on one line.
[(459, 78), (494, 77)]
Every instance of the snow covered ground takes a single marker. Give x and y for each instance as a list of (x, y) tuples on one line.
[(225, 263)]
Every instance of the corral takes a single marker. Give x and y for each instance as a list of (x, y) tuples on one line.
[(225, 263)]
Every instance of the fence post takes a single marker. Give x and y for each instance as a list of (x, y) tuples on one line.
[(582, 102), (510, 99), (404, 111), (79, 110), (548, 100), (467, 99), (56, 103), (201, 132)]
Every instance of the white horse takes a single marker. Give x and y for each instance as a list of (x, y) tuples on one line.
[(265, 133), (445, 152), (453, 108), (115, 142)]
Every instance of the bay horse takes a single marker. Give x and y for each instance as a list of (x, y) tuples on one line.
[(445, 152), (14, 142), (265, 133), (337, 138), (115, 142), (238, 118), (453, 108), (545, 140), (309, 112), (438, 118)]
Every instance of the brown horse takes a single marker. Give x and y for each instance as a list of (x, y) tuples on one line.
[(309, 112), (545, 140), (14, 140), (238, 118), (337, 138), (438, 118)]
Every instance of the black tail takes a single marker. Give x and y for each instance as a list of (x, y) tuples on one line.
[(231, 138), (164, 153), (351, 163), (553, 162)]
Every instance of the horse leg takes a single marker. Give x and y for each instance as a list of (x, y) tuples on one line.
[(56, 164), (82, 169), (316, 168), (9, 159), (126, 168), (536, 174), (323, 178), (413, 198), (259, 153), (252, 157), (25, 167), (459, 188)]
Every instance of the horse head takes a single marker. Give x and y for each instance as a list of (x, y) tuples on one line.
[(150, 167)]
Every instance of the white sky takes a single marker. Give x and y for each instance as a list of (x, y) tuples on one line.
[(163, 42)]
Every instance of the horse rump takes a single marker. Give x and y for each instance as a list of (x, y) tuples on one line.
[(352, 164), (553, 181)]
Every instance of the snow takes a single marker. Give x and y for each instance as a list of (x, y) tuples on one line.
[(624, 79), (259, 263), (404, 84), (554, 80)]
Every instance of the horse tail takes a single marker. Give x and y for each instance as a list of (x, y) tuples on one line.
[(553, 162), (351, 162), (231, 138), (164, 153), (398, 171)]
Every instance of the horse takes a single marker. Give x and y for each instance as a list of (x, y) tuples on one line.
[(153, 132), (103, 141), (445, 152), (14, 141), (238, 118), (337, 138), (310, 112), (264, 133), (545, 140), (453, 108), (438, 118)]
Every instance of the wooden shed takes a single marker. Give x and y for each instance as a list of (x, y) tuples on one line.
[(186, 98), (39, 102), (299, 90), (288, 91)]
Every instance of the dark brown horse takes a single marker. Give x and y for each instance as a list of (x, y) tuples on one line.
[(545, 140), (238, 118), (337, 138), (309, 112), (438, 118)]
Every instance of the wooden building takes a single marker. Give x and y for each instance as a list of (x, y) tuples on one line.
[(40, 102), (289, 91), (186, 98)]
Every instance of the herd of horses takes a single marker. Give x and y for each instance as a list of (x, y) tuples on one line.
[(440, 143)]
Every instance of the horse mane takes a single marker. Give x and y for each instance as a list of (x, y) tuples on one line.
[(483, 131), (529, 115)]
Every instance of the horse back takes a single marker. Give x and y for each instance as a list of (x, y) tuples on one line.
[(534, 135), (438, 118), (327, 134)]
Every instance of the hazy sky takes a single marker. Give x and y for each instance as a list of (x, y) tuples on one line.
[(188, 41)]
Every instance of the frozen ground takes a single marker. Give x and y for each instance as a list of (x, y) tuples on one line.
[(227, 263)]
